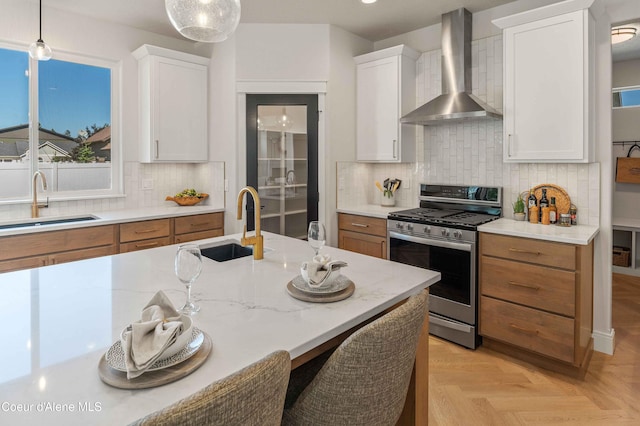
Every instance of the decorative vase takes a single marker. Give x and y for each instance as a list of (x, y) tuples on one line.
[(519, 216), (386, 201)]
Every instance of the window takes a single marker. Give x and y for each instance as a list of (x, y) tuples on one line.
[(56, 117), (625, 97)]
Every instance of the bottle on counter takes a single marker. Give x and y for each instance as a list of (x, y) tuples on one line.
[(573, 212), (544, 202), (533, 214), (531, 201), (553, 212)]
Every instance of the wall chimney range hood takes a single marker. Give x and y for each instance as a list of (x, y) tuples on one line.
[(456, 102)]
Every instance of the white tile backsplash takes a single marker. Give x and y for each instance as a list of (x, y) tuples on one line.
[(471, 152), (168, 179)]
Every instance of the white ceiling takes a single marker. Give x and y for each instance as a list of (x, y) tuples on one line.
[(376, 21)]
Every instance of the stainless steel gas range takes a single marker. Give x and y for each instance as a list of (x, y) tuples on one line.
[(442, 235)]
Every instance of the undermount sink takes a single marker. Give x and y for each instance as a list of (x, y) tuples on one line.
[(226, 250), (45, 222)]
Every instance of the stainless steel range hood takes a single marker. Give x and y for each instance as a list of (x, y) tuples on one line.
[(456, 102)]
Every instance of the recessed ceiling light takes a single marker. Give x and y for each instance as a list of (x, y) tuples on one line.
[(368, 1), (622, 34)]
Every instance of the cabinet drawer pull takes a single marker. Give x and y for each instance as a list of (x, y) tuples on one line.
[(152, 244), (515, 250), (523, 330), (145, 231), (359, 225), (517, 284), (199, 224)]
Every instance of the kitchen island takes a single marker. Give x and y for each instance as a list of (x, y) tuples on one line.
[(59, 320)]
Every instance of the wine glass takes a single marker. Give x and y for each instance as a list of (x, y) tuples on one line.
[(316, 235), (188, 268)]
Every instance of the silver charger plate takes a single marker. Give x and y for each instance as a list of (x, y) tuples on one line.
[(115, 354), (339, 284)]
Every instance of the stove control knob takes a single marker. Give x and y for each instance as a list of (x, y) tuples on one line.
[(409, 227), (427, 229), (445, 232), (399, 225), (457, 234)]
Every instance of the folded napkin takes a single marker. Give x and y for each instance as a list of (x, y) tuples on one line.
[(319, 269), (147, 339)]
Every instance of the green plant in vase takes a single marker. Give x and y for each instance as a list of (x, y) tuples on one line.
[(518, 209)]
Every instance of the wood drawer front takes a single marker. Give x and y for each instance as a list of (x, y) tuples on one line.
[(529, 250), (70, 256), (136, 231), (531, 285), (363, 224), (27, 245), (537, 331), (144, 244), (193, 236), (370, 245), (23, 263), (196, 223)]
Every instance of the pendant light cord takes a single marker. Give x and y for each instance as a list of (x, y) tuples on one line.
[(40, 22)]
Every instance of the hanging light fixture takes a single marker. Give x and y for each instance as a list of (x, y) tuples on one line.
[(204, 20), (284, 122), (621, 34), (39, 50)]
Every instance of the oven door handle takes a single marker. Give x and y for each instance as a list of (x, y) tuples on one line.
[(430, 242)]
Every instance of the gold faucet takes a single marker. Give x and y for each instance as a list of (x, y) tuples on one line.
[(257, 240), (35, 207)]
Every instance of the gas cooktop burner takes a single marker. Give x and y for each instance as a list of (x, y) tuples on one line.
[(443, 217)]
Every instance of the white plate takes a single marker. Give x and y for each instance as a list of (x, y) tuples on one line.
[(340, 283), (115, 354)]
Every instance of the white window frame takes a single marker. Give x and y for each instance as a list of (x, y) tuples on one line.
[(117, 183)]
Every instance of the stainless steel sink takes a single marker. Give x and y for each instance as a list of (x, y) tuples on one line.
[(225, 251), (32, 223)]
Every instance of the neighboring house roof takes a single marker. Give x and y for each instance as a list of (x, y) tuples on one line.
[(103, 135), (14, 141), (21, 132)]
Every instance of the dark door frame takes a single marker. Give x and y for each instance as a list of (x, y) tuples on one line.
[(311, 101)]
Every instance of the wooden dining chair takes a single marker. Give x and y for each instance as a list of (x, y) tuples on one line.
[(366, 379), (253, 396)]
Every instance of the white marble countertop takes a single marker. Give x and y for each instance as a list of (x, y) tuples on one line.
[(106, 218), (579, 234), (371, 210), (59, 320)]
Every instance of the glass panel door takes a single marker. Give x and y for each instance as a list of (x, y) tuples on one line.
[(282, 161)]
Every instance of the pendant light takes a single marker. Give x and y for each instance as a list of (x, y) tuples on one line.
[(204, 20), (39, 50)]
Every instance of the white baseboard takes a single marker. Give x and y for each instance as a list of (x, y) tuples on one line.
[(604, 342)]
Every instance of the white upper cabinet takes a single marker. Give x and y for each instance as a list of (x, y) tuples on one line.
[(172, 105), (548, 84), (386, 90)]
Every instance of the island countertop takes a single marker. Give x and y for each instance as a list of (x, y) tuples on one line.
[(58, 321)]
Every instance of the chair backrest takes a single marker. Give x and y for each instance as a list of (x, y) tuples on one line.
[(253, 396), (365, 381)]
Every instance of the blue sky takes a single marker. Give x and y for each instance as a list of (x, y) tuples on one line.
[(72, 96)]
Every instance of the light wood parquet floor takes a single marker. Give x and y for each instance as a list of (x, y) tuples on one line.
[(483, 387)]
